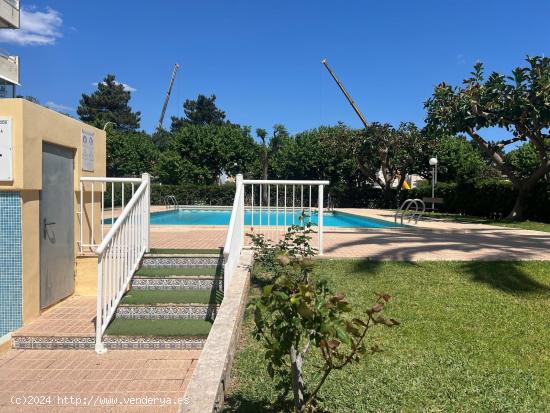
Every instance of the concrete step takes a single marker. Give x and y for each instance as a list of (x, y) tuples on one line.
[(182, 261), (167, 312), (201, 282)]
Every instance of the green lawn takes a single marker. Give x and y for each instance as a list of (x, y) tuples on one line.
[(176, 271), (530, 225), (475, 337), (172, 297), (159, 328)]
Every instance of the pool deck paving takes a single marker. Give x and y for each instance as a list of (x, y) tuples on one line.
[(114, 377), (81, 380), (428, 240)]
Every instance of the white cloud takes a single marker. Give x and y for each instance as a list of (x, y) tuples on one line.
[(38, 28), (127, 87), (59, 107)]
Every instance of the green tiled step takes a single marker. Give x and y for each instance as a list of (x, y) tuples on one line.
[(165, 272), (158, 328), (157, 334), (152, 297), (167, 312)]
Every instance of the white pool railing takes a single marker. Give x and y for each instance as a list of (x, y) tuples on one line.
[(289, 198)]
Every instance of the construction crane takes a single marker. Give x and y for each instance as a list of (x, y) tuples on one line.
[(174, 72), (348, 97)]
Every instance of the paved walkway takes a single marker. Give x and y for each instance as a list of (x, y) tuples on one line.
[(118, 381), (73, 317), (429, 240)]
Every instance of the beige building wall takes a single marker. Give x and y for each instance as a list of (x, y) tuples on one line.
[(32, 125)]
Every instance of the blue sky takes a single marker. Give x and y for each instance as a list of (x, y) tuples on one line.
[(262, 58)]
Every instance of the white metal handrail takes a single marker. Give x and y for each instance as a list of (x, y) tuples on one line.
[(89, 188), (406, 207), (119, 256), (273, 199), (234, 240)]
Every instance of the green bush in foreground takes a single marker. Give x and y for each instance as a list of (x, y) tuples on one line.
[(295, 313)]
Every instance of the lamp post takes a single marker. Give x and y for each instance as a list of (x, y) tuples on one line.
[(433, 164)]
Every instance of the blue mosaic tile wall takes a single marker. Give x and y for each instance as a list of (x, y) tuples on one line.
[(11, 267)]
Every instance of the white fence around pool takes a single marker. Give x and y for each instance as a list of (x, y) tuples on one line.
[(273, 206)]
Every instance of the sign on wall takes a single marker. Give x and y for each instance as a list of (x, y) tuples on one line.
[(87, 151), (6, 149)]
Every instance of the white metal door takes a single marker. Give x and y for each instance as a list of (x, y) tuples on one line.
[(56, 224)]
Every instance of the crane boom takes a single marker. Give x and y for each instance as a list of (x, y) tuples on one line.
[(348, 97), (167, 98)]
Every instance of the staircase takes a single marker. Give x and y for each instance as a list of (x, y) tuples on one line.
[(171, 303)]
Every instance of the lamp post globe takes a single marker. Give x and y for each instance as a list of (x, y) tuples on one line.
[(433, 164)]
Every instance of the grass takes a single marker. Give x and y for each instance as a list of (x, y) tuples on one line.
[(172, 297), (159, 328), (474, 338), (185, 251), (177, 271), (529, 225)]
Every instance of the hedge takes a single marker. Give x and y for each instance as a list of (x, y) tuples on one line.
[(194, 194), (487, 198)]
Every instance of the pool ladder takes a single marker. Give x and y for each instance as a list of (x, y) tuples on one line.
[(405, 209), (170, 201), (330, 204)]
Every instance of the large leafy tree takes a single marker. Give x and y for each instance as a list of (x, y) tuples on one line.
[(130, 153), (385, 155), (109, 103), (201, 111), (317, 154), (460, 160), (523, 159), (518, 104), (201, 153)]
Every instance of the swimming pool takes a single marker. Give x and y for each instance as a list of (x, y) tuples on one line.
[(222, 217)]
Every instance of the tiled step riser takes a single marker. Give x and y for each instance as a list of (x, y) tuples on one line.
[(186, 283), (182, 262), (112, 343), (167, 312)]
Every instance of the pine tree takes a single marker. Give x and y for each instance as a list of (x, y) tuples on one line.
[(109, 103), (202, 111)]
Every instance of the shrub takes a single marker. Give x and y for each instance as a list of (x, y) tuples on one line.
[(296, 314)]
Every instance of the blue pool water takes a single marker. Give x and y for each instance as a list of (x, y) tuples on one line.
[(222, 217)]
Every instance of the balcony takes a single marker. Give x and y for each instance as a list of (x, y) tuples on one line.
[(9, 68), (9, 14)]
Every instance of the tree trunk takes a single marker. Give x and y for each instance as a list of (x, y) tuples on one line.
[(265, 173), (297, 379), (519, 206)]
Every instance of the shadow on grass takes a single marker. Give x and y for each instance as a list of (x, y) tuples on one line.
[(236, 403), (507, 276), (371, 267)]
